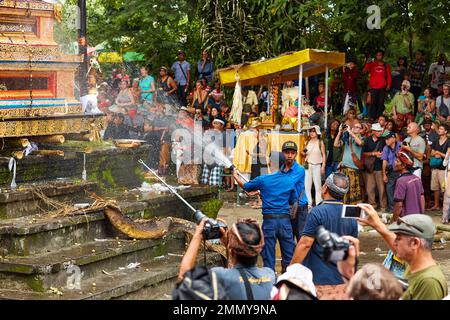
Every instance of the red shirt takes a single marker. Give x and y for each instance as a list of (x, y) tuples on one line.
[(349, 77), (379, 73), (320, 103)]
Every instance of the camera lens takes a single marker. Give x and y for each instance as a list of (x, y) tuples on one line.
[(198, 216)]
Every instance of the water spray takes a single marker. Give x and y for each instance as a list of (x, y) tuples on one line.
[(211, 230)]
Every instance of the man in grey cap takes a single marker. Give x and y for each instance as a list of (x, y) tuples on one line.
[(327, 214), (411, 239)]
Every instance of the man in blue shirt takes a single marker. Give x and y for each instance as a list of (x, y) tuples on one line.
[(327, 214), (182, 70), (297, 173), (277, 192)]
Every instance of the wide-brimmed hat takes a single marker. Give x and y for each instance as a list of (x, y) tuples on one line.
[(315, 127), (255, 123), (300, 276), (376, 127)]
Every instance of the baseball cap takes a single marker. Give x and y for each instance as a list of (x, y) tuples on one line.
[(417, 225), (390, 134), (289, 145)]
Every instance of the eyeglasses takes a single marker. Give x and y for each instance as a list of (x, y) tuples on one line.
[(400, 221)]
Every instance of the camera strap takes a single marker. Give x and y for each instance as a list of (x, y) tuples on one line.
[(248, 289), (204, 252)]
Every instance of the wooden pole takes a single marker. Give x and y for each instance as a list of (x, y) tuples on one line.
[(54, 139), (17, 143), (300, 98), (80, 137), (49, 152), (326, 96)]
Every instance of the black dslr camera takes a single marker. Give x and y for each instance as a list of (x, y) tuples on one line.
[(212, 227), (334, 247)]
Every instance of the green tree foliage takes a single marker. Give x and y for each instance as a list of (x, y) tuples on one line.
[(245, 30), (156, 28)]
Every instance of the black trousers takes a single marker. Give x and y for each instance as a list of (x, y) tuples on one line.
[(416, 91), (182, 94), (376, 108)]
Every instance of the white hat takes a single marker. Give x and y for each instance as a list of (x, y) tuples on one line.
[(300, 276), (377, 127), (219, 120), (315, 127)]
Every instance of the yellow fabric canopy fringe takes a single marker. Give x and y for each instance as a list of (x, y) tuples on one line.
[(284, 66)]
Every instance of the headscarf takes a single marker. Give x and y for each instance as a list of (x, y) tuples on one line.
[(238, 245), (333, 187), (405, 159)]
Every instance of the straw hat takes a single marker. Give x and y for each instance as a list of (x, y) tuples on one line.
[(255, 123), (316, 127)]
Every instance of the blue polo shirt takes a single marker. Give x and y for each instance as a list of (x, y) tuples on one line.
[(327, 214), (297, 173), (277, 192)]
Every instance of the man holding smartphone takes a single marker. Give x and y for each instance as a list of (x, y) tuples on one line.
[(411, 239), (327, 214)]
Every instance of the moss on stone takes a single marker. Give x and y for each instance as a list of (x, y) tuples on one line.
[(35, 283), (211, 207), (108, 177)]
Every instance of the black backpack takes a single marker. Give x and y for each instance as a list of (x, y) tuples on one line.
[(199, 283)]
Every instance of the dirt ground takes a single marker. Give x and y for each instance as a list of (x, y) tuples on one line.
[(373, 248)]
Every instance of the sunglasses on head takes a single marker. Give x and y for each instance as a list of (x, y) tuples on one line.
[(400, 221)]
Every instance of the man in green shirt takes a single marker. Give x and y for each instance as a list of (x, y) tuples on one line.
[(402, 105), (411, 239)]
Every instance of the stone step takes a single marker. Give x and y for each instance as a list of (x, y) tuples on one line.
[(51, 269), (110, 166), (23, 202), (152, 280), (41, 233)]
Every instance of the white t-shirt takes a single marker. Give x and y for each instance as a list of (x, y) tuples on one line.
[(437, 74)]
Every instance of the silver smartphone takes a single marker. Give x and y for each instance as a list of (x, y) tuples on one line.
[(351, 211)]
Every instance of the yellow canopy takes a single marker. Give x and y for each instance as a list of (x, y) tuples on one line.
[(110, 57), (285, 65)]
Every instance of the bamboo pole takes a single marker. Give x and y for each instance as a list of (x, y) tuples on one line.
[(443, 227), (80, 137), (442, 235), (17, 143), (17, 154), (49, 152), (54, 139)]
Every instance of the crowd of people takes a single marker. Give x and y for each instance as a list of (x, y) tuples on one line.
[(318, 266), (397, 164), (382, 160)]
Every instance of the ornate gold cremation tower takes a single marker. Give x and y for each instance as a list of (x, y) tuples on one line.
[(37, 80)]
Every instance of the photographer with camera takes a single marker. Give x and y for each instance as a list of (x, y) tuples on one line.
[(351, 139), (244, 242), (327, 214), (411, 239)]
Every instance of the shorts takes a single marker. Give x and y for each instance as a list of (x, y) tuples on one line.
[(437, 180)]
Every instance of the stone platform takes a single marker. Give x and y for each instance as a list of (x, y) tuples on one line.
[(40, 252)]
